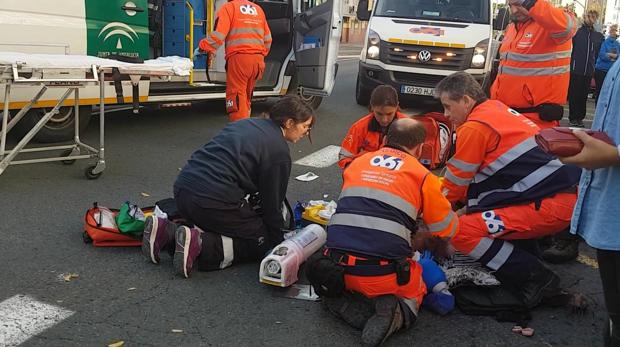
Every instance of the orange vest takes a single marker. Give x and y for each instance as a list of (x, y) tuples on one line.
[(364, 136), (514, 170), (243, 26), (535, 56), (382, 196)]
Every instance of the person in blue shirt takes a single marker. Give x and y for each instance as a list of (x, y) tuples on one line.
[(606, 57), (595, 217)]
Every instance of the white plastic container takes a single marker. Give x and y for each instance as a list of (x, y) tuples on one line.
[(280, 268)]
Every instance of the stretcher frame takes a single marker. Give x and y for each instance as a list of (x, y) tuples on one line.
[(93, 75)]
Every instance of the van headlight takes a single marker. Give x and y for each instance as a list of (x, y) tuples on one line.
[(480, 54), (373, 45)]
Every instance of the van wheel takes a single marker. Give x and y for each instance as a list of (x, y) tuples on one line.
[(362, 95), (58, 129), (310, 100)]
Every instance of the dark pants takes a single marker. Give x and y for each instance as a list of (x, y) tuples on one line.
[(233, 233), (578, 96), (609, 268), (599, 78)]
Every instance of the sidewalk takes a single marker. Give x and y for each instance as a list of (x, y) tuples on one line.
[(350, 49)]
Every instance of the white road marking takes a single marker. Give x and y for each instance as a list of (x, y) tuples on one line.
[(22, 317), (324, 157)]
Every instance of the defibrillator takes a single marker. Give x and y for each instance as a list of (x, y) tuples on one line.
[(280, 268)]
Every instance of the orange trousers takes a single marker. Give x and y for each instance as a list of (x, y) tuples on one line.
[(242, 72), (411, 293), (515, 222)]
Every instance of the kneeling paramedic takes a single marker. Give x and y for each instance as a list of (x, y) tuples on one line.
[(243, 26), (365, 274), (366, 134), (231, 192), (510, 188)]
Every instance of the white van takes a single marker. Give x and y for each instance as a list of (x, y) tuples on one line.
[(414, 44), (306, 36)]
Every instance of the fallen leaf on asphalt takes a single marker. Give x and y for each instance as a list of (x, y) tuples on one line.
[(146, 195), (117, 344), (70, 276), (178, 331), (130, 289), (278, 322)]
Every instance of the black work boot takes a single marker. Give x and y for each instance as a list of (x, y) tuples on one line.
[(542, 284), (528, 277), (353, 308), (562, 250), (387, 320)]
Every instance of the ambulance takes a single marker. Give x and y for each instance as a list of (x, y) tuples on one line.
[(302, 60), (414, 44)]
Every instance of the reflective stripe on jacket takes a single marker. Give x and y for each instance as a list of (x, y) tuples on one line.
[(535, 57), (383, 194), (243, 26), (365, 135), (497, 162)]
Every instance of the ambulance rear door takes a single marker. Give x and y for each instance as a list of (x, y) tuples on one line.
[(318, 27)]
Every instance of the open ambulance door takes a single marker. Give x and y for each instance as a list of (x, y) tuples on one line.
[(317, 28)]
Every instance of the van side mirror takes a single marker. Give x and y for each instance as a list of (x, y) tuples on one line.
[(502, 19), (363, 13)]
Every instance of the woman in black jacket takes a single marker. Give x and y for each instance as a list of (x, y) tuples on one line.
[(232, 190)]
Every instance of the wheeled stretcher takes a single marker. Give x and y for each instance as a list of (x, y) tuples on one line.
[(70, 73)]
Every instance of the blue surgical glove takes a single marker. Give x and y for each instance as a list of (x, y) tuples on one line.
[(198, 52), (441, 303), (431, 273)]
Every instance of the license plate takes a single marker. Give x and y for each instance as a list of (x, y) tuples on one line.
[(417, 90)]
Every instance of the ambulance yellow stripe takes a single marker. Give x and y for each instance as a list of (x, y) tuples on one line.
[(83, 101)]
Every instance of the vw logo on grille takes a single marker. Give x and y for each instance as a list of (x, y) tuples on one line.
[(424, 56)]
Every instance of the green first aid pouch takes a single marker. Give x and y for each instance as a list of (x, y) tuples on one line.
[(130, 219)]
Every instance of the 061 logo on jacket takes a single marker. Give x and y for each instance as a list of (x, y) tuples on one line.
[(387, 161)]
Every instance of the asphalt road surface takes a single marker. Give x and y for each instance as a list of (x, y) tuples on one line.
[(118, 296)]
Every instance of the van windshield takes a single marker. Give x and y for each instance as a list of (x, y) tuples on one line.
[(468, 11)]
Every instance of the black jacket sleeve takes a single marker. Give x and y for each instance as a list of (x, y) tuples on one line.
[(272, 185)]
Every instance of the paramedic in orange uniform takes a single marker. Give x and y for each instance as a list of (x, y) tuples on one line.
[(242, 25), (534, 68), (371, 234), (366, 135), (510, 188)]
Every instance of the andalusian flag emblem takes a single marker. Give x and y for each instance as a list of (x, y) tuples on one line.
[(113, 28)]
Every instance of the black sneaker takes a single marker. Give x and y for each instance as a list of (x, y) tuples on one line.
[(387, 320), (576, 124), (561, 251)]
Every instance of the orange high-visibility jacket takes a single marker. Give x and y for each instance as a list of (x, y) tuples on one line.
[(364, 136), (498, 163), (535, 56), (243, 26), (382, 196)]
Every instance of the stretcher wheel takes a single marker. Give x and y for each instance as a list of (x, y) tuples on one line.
[(86, 238), (89, 173), (66, 154)]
